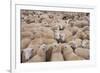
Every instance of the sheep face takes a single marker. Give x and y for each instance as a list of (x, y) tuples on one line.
[(44, 47), (27, 53)]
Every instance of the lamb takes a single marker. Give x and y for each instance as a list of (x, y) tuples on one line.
[(26, 54), (69, 54), (56, 54), (25, 42), (82, 52)]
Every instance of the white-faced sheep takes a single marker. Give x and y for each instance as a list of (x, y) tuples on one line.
[(68, 53), (35, 44), (56, 54), (82, 52), (75, 43), (40, 56), (26, 54), (66, 35)]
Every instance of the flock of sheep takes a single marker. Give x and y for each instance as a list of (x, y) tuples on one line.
[(54, 36)]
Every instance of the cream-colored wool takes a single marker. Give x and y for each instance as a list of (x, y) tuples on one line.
[(73, 56), (27, 34), (75, 43), (68, 35), (49, 41), (56, 54), (25, 42), (66, 49), (40, 56), (26, 54), (82, 52)]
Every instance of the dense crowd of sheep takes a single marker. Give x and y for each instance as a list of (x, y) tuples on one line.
[(54, 36)]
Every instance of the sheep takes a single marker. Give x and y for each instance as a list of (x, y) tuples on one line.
[(26, 54), (66, 49), (40, 56), (68, 53), (56, 54), (35, 44), (80, 34), (54, 36), (25, 42), (49, 51), (82, 52), (75, 43), (68, 35), (63, 36)]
